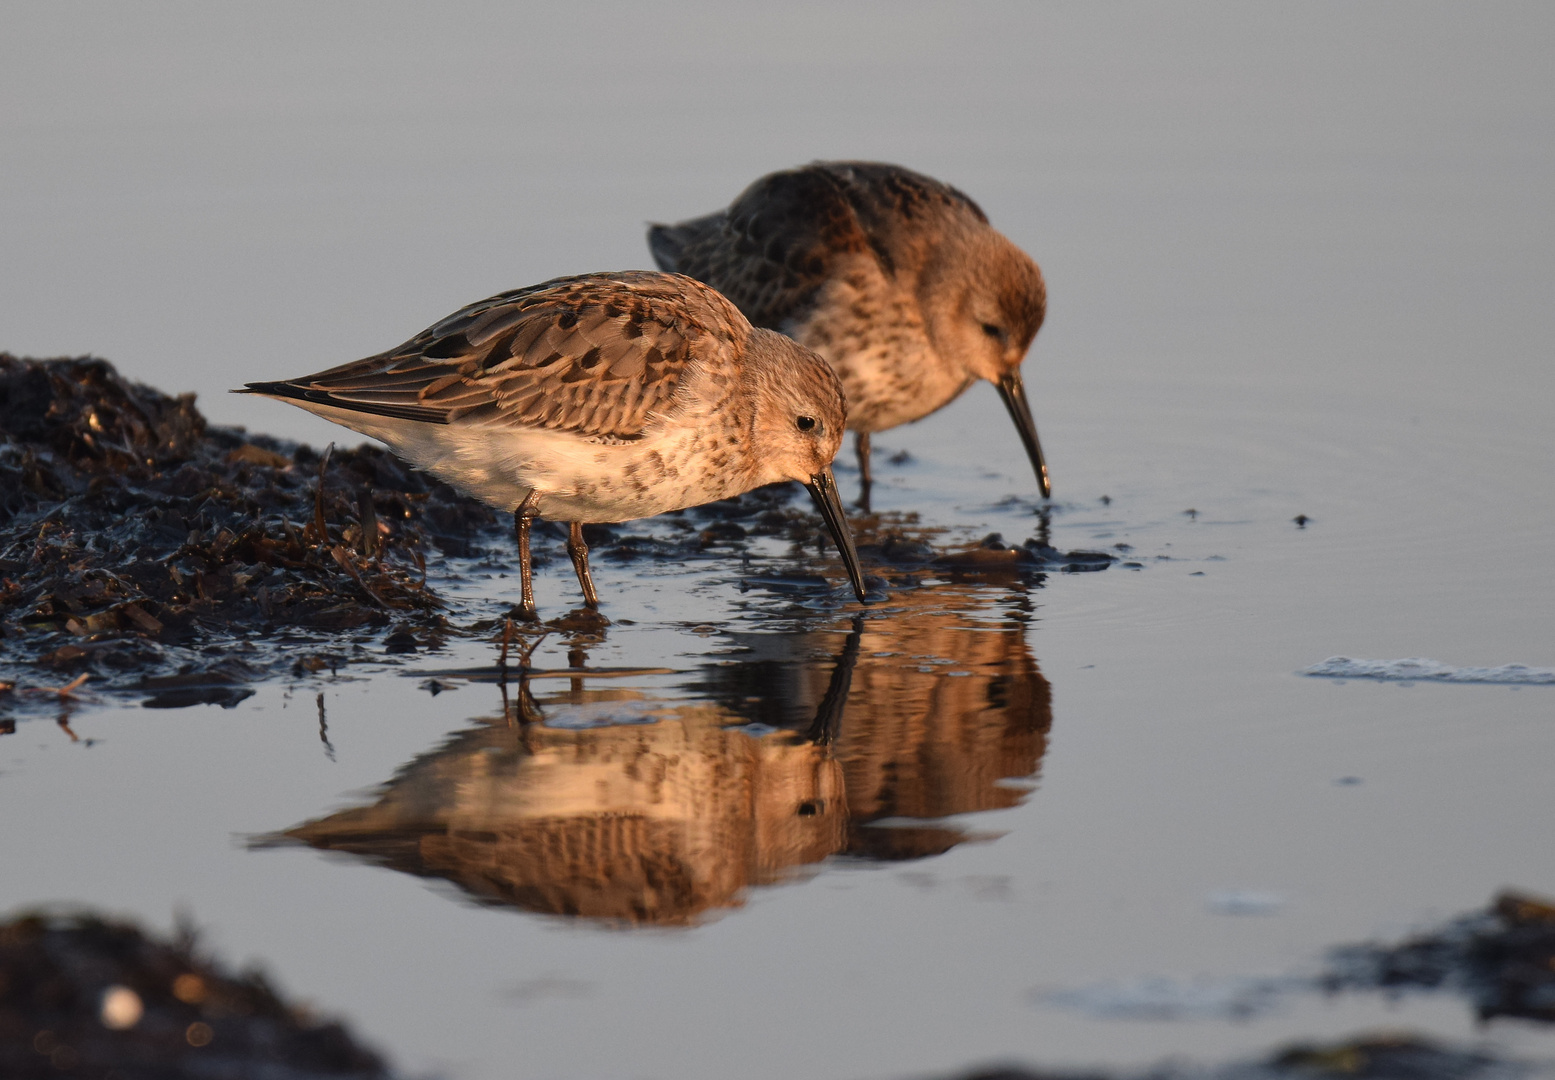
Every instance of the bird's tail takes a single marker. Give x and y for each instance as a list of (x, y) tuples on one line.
[(673, 246)]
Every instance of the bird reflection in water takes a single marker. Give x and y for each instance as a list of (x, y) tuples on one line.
[(613, 805)]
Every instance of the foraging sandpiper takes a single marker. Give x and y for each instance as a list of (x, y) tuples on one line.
[(599, 398), (895, 278)]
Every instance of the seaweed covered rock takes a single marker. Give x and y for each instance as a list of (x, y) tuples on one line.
[(131, 531), (80, 995), (1502, 959)]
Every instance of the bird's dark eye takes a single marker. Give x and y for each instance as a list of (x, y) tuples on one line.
[(805, 423), (992, 331)]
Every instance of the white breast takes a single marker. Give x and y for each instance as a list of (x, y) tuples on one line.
[(574, 478)]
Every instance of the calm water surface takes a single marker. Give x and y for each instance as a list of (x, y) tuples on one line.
[(1300, 262)]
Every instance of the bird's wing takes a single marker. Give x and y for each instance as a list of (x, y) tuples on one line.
[(599, 356), (788, 233)]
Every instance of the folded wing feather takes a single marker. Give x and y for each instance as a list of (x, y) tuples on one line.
[(597, 356)]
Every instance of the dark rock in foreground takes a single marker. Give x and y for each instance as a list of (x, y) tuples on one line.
[(81, 995), (1502, 959)]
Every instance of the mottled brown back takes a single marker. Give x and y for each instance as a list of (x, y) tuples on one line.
[(596, 355), (787, 233)]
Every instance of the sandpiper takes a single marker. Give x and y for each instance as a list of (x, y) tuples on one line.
[(598, 398), (895, 278)]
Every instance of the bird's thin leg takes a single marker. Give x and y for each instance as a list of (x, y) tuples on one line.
[(861, 444), (579, 551), (528, 709), (523, 516)]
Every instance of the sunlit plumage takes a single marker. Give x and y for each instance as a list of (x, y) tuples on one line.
[(599, 398), (895, 278)]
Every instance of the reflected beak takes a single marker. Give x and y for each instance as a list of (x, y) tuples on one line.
[(1013, 391), (824, 489)]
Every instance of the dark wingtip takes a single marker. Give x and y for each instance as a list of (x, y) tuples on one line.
[(274, 389)]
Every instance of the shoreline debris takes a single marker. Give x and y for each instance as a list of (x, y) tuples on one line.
[(85, 995)]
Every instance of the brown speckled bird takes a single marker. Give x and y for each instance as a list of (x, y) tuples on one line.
[(598, 398), (895, 278)]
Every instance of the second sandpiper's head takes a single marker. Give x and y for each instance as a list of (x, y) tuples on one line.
[(983, 301)]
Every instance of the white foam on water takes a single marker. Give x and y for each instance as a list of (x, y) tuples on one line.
[(1417, 669), (1244, 902), (1162, 998)]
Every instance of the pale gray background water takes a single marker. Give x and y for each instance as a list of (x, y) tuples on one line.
[(1300, 260)]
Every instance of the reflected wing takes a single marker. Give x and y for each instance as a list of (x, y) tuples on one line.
[(789, 232), (598, 355)]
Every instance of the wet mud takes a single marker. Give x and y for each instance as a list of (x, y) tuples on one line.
[(82, 995), (150, 552)]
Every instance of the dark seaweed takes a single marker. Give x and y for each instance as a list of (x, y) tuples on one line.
[(133, 535), (1502, 959), (196, 1020)]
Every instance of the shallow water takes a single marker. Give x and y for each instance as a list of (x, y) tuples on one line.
[(1299, 264)]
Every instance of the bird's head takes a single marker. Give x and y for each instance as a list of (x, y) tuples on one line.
[(799, 418), (800, 413), (984, 300)]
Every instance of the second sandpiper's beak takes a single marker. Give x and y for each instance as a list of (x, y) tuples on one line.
[(1013, 391), (824, 490)]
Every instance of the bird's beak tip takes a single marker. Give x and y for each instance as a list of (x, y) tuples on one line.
[(823, 488), (1013, 391)]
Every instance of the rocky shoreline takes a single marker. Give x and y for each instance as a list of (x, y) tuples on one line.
[(150, 551)]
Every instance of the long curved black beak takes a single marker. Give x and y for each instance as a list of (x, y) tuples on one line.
[(1013, 391), (824, 490)]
